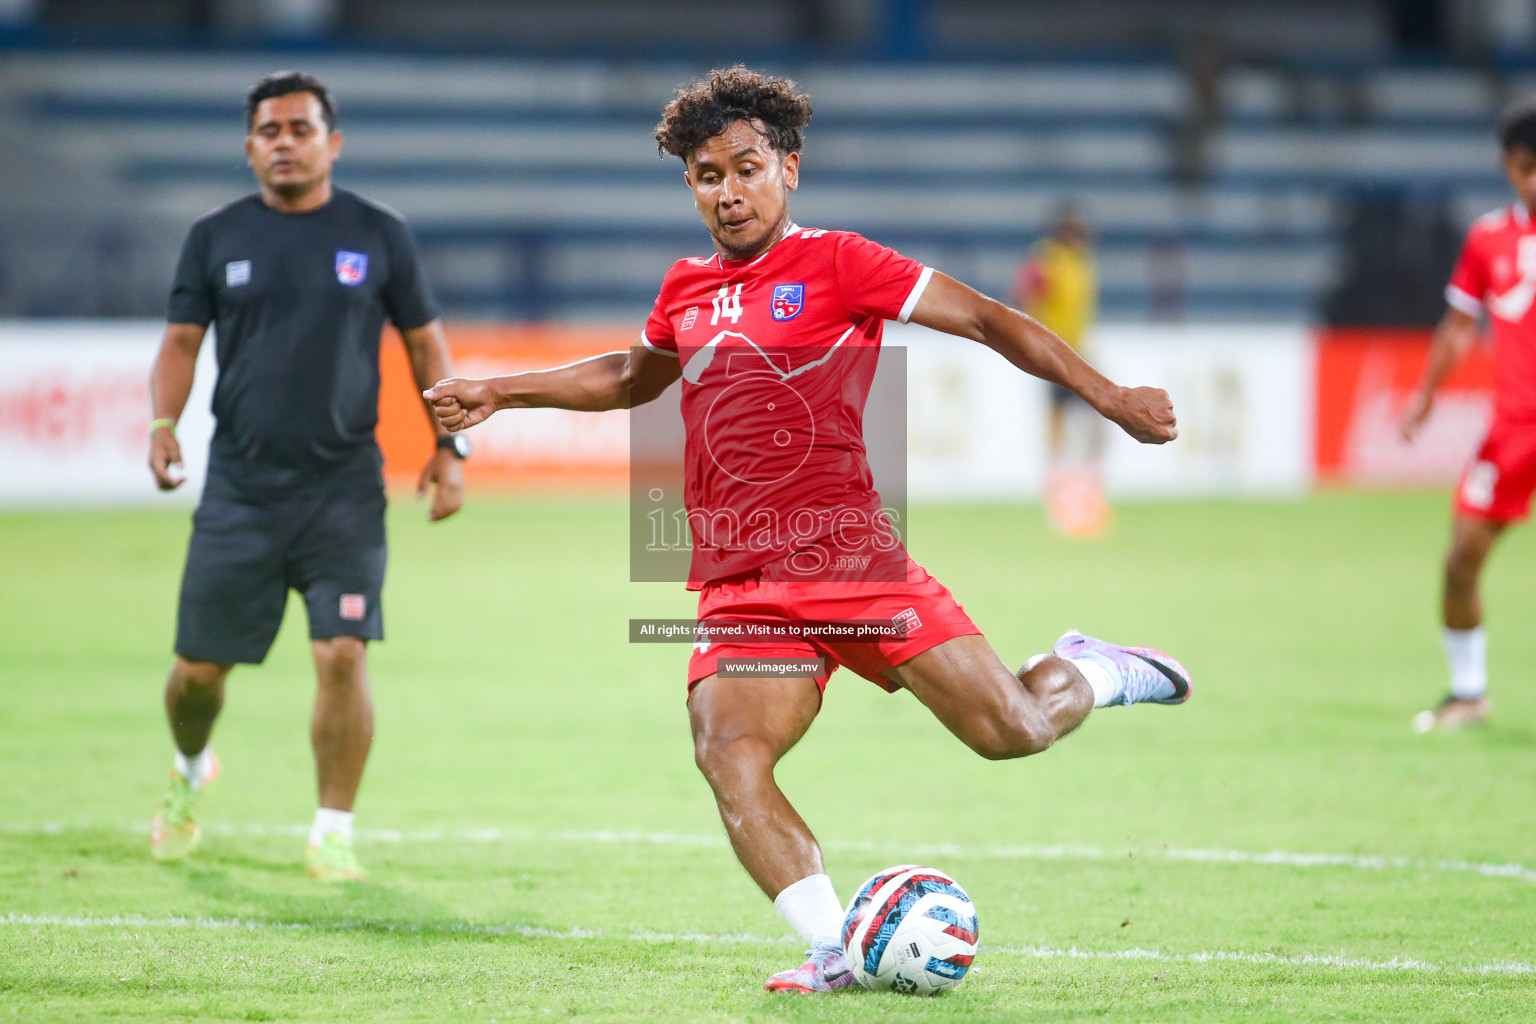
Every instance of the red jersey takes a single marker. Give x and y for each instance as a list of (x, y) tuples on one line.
[(778, 355), (1497, 274)]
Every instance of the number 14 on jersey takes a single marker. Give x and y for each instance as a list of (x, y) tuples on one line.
[(727, 304)]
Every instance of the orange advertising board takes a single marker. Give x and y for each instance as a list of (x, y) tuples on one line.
[(533, 449), (1365, 380)]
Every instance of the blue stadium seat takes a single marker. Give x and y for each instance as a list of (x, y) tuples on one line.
[(537, 190)]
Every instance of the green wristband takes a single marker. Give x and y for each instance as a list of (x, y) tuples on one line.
[(163, 421)]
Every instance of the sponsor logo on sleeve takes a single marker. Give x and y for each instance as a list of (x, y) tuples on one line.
[(237, 272), (689, 317), (788, 301), (351, 267)]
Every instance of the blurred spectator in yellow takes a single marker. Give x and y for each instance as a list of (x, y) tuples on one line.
[(1058, 285)]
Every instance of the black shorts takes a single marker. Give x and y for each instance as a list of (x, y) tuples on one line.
[(245, 556), (1063, 399)]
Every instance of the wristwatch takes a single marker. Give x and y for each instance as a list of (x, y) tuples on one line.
[(456, 443)]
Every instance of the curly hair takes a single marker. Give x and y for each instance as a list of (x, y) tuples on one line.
[(706, 108), (1517, 125)]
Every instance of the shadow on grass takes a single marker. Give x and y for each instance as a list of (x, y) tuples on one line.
[(1502, 735), (107, 872)]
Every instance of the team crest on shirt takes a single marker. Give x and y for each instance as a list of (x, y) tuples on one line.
[(351, 267), (788, 301)]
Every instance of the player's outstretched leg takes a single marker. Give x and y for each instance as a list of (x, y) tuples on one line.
[(741, 727), (997, 713), (1001, 714), (194, 693), (1465, 643)]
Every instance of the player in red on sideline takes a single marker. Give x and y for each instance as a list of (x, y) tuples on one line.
[(1496, 275), (775, 338)]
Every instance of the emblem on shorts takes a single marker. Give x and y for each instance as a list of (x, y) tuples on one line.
[(354, 607), (351, 267), (237, 272), (1480, 484), (788, 301), (906, 621), (689, 317)]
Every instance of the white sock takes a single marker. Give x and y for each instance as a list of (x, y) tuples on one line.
[(197, 768), (1104, 682), (1466, 653), (811, 908), (328, 821)]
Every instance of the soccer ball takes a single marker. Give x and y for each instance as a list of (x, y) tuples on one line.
[(910, 929)]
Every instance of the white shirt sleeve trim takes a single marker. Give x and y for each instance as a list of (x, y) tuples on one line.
[(1460, 300), (917, 293), (661, 351)]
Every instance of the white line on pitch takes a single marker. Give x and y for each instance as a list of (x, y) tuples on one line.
[(1301, 960), (1278, 858), (533, 931)]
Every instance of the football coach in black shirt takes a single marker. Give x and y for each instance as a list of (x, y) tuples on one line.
[(299, 279)]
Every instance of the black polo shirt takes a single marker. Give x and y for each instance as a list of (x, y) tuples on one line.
[(299, 302)]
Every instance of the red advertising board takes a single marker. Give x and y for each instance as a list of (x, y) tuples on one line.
[(1365, 380)]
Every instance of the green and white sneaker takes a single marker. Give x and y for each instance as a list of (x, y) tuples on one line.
[(333, 860), (174, 832)]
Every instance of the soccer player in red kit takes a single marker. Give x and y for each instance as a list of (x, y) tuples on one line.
[(1496, 276), (775, 338)]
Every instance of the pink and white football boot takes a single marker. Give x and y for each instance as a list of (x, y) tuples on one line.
[(1146, 674), (825, 970)]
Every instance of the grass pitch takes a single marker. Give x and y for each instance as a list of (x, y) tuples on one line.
[(540, 846)]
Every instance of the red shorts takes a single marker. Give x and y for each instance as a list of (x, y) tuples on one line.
[(922, 604), (1498, 483)]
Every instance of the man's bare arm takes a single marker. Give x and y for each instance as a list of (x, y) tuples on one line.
[(170, 382), (1455, 334), (427, 348), (613, 380), (949, 306), (443, 474)]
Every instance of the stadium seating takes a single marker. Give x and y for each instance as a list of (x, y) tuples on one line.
[(537, 192)]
